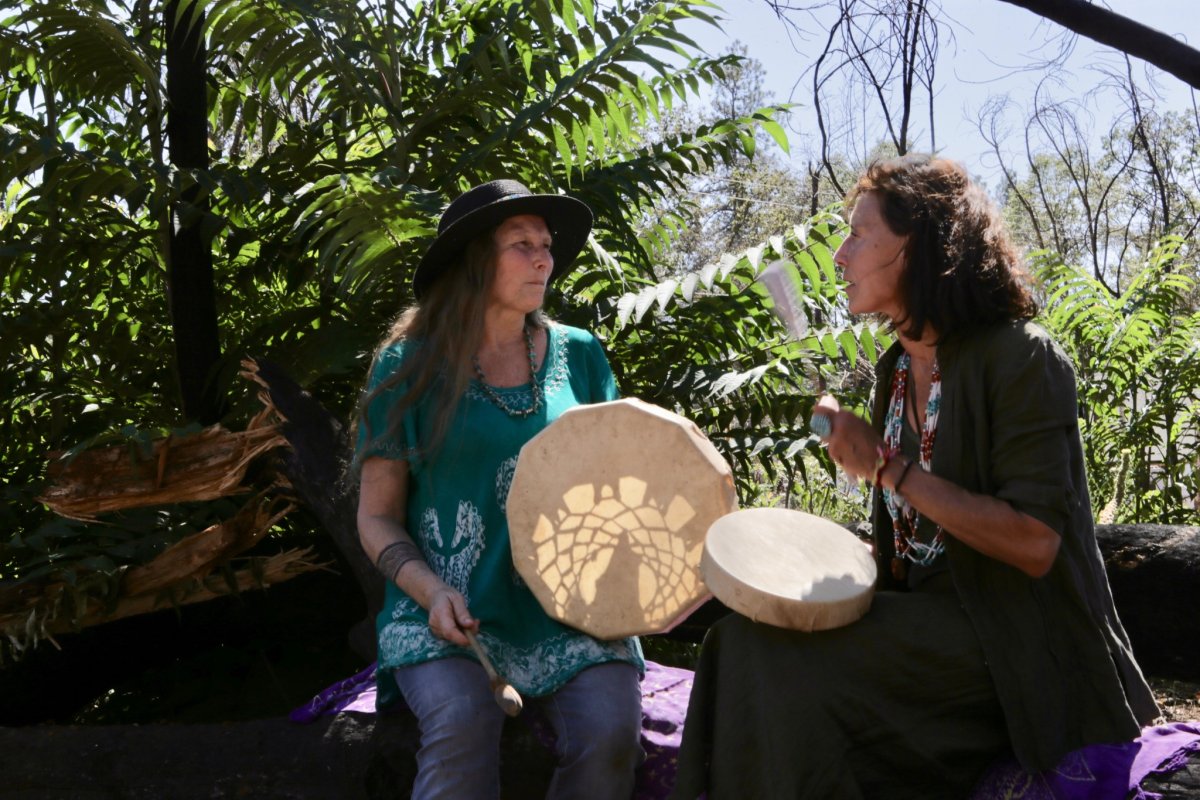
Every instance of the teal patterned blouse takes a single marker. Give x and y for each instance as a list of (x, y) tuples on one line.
[(456, 516)]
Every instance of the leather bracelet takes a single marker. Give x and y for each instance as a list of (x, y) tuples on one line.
[(903, 475), (395, 556)]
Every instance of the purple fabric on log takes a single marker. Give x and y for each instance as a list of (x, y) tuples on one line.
[(1098, 772), (356, 693)]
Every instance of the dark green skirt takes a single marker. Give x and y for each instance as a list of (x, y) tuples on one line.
[(900, 704)]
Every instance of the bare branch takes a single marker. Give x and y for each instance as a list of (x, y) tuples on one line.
[(817, 82), (1139, 131), (1114, 30), (992, 111)]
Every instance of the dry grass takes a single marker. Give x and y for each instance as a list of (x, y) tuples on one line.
[(1179, 700)]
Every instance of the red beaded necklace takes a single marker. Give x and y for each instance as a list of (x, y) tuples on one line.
[(905, 518)]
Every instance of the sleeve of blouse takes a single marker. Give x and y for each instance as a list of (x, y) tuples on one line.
[(1034, 425), (374, 438), (603, 385)]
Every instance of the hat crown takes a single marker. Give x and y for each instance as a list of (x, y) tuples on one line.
[(479, 196), (481, 208)]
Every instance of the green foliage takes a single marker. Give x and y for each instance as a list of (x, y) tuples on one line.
[(732, 206), (337, 132), (1138, 361), (708, 344)]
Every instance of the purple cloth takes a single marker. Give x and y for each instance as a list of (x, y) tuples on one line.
[(665, 693), (1098, 772), (356, 693)]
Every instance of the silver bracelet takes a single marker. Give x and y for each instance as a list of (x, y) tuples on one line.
[(395, 556)]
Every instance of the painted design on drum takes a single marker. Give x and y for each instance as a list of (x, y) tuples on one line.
[(454, 563), (602, 535)]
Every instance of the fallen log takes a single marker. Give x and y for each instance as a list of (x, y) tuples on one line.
[(314, 464), (1154, 572), (345, 756)]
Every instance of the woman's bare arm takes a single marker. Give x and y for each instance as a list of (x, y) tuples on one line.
[(382, 503), (988, 524)]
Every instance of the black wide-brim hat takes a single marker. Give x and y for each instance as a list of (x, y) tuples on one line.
[(486, 206)]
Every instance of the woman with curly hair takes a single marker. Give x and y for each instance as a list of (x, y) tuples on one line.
[(992, 629)]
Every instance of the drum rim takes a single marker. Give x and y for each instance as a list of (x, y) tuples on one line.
[(755, 603)]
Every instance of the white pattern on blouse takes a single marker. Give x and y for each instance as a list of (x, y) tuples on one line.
[(455, 566)]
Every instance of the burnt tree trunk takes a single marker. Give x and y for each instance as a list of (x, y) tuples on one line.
[(315, 465), (345, 756), (191, 295)]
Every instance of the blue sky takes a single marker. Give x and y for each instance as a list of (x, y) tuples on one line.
[(993, 40)]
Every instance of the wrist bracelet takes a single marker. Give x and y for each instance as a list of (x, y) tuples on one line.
[(885, 458), (395, 556), (903, 475)]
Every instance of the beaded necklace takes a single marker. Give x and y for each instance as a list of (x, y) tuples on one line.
[(905, 518), (500, 402)]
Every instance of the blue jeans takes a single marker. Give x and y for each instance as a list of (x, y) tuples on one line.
[(597, 717)]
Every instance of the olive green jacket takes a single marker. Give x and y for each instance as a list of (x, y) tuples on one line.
[(1008, 427)]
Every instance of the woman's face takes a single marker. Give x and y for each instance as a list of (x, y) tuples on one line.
[(523, 264), (872, 261)]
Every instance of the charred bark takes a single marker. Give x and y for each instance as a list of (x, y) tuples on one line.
[(1154, 572), (191, 294), (315, 465)]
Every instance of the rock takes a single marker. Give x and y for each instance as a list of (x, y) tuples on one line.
[(345, 756), (1154, 572)]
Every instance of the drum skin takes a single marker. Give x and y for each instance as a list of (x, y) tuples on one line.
[(789, 569), (607, 514)]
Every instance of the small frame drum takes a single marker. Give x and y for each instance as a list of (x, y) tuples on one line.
[(607, 515), (788, 569)]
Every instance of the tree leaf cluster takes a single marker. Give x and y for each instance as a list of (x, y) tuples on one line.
[(709, 344), (337, 131), (1137, 355)]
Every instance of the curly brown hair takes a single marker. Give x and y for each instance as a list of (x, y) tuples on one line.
[(962, 271)]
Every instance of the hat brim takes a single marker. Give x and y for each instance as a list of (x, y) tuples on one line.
[(568, 219)]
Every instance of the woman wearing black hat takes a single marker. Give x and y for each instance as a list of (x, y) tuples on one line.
[(463, 379)]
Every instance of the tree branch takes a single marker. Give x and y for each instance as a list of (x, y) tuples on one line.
[(1129, 36)]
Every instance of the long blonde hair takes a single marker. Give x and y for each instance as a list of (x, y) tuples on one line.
[(445, 328)]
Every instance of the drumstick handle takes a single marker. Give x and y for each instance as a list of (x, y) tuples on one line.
[(483, 657), (506, 696)]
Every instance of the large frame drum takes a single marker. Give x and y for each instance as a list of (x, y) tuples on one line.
[(607, 515)]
